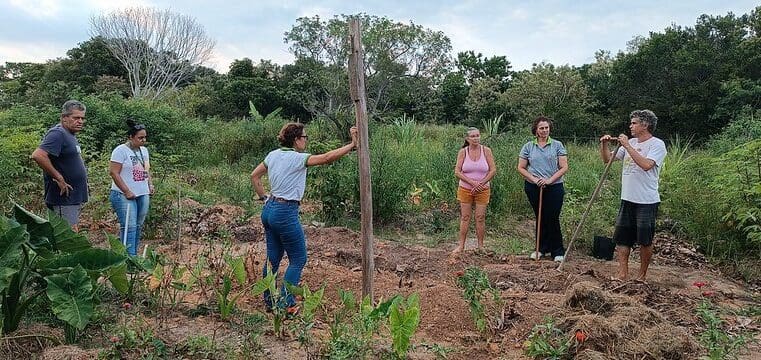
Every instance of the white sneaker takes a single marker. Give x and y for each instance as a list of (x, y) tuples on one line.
[(559, 258), (535, 255)]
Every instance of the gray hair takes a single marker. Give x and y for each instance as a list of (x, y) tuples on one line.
[(646, 116), (71, 105), (471, 128)]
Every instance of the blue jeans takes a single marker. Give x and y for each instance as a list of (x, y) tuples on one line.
[(138, 209), (284, 234)]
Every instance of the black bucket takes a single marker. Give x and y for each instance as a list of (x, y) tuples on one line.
[(603, 247)]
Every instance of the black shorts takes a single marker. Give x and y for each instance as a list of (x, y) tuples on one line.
[(635, 223)]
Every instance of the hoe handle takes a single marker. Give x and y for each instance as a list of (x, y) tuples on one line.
[(589, 206)]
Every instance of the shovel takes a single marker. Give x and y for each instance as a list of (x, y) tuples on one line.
[(589, 206)]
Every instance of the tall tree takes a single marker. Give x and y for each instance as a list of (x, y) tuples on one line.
[(241, 68), (393, 51), (678, 73), (554, 91), (476, 66), (160, 49), (453, 93)]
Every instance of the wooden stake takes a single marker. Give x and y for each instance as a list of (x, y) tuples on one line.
[(357, 88)]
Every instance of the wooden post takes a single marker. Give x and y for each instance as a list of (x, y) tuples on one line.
[(357, 87)]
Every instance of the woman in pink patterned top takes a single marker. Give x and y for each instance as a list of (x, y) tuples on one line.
[(475, 168)]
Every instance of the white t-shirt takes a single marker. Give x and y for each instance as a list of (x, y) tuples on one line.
[(637, 185), (287, 173), (134, 165)]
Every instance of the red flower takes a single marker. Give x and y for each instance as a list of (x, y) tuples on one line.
[(114, 339), (708, 293), (699, 284), (127, 306), (459, 273), (580, 336)]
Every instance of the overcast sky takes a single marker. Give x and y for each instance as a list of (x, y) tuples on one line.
[(526, 32)]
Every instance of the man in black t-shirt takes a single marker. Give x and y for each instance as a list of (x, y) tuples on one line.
[(60, 158)]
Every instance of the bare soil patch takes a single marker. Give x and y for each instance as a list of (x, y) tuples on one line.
[(653, 320)]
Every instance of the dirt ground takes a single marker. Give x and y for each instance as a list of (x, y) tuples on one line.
[(617, 318)]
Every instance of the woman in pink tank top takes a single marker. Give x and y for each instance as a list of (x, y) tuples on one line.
[(475, 168)]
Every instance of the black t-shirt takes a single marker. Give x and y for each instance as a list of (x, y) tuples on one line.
[(66, 156)]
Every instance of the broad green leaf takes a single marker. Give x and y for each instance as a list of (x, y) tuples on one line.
[(116, 244), (403, 323), (64, 239), (6, 274), (296, 290), (10, 252), (92, 259), (239, 269), (348, 300), (10, 243), (117, 275), (40, 230), (314, 300), (382, 309), (71, 297), (264, 284)]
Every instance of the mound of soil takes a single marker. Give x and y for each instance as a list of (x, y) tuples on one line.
[(618, 327), (28, 341), (68, 352)]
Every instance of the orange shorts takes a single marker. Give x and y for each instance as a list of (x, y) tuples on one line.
[(480, 198)]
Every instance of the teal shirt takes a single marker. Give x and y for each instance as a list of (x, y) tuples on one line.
[(543, 161)]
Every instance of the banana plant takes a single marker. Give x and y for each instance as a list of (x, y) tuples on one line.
[(44, 256)]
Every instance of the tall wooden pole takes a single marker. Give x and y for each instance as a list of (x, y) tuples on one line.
[(357, 87)]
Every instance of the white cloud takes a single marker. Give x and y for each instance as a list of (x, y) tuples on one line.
[(519, 14), (110, 5), (31, 52), (38, 8), (323, 12)]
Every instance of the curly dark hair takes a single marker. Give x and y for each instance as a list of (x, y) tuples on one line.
[(646, 117), (289, 133), (133, 127), (536, 122)]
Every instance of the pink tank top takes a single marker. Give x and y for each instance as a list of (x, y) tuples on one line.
[(475, 170)]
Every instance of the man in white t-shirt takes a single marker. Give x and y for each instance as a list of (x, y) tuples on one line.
[(643, 157)]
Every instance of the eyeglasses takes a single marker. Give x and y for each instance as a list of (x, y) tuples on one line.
[(304, 137)]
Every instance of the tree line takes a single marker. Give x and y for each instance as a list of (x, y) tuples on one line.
[(696, 78)]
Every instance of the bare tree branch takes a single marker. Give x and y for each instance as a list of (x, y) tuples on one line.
[(159, 48)]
